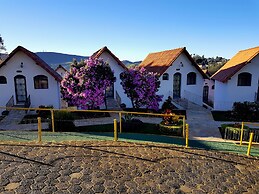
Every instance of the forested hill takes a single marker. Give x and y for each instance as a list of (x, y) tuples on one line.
[(210, 63)]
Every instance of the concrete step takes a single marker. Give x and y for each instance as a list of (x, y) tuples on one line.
[(14, 117)]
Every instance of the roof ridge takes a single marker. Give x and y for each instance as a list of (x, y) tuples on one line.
[(98, 53), (35, 58), (182, 48), (249, 49)]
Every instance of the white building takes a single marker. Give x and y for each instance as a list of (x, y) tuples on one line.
[(208, 90), (61, 70), (237, 80), (26, 80), (180, 76), (116, 92)]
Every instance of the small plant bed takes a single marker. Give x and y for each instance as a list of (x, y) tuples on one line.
[(171, 129), (233, 132), (133, 125), (171, 124)]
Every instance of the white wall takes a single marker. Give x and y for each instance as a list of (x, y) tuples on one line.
[(61, 71), (50, 96), (228, 93), (210, 83), (190, 92), (117, 71)]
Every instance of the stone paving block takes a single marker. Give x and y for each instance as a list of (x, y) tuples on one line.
[(117, 167)]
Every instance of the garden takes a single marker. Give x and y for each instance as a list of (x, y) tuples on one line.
[(242, 111), (233, 132), (84, 88), (247, 112)]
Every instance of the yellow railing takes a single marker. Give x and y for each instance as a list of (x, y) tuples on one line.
[(250, 137), (120, 113)]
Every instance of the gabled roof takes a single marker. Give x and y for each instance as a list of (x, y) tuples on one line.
[(36, 59), (159, 62), (241, 59), (60, 66), (98, 53)]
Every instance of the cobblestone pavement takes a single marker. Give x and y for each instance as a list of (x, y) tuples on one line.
[(117, 167)]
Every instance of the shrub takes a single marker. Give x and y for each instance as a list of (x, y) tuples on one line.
[(44, 113), (246, 110), (63, 121), (123, 106), (5, 112), (235, 125), (168, 104), (130, 124)]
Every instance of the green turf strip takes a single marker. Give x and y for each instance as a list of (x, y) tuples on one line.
[(28, 136)]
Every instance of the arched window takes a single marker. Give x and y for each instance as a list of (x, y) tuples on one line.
[(213, 87), (244, 79), (191, 78), (165, 76), (41, 82), (3, 80)]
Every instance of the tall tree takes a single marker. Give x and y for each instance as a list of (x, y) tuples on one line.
[(141, 87), (84, 86), (2, 47)]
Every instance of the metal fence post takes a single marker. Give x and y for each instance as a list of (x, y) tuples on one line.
[(39, 130), (52, 121), (242, 132), (115, 130), (250, 144), (187, 136), (183, 126), (120, 122)]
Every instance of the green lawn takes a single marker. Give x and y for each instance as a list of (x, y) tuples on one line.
[(29, 136)]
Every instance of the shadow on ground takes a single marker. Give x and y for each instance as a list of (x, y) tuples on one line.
[(31, 136)]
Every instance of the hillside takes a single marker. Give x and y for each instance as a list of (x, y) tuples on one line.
[(130, 63), (210, 63), (54, 59)]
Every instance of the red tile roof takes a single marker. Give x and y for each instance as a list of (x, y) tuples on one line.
[(159, 62), (241, 59), (35, 58), (98, 53)]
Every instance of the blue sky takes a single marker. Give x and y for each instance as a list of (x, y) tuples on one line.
[(131, 29)]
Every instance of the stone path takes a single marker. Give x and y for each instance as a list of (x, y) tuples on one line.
[(116, 167), (201, 123), (12, 119)]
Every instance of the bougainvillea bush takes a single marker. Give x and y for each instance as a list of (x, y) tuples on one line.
[(141, 87), (84, 86)]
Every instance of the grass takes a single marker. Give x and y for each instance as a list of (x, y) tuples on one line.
[(31, 136)]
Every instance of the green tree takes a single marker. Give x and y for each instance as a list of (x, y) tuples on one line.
[(2, 47)]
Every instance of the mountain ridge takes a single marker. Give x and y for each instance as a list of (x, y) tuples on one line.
[(54, 59)]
